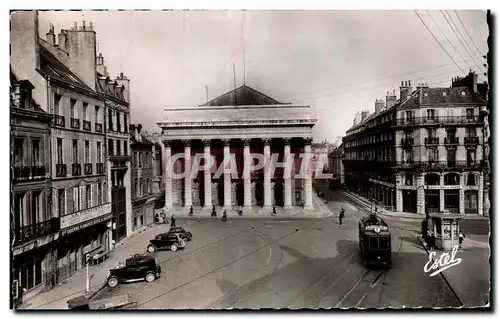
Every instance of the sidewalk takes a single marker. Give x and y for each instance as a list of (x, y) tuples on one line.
[(383, 212), (470, 280), (74, 286)]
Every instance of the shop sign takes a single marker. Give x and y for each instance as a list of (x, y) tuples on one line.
[(84, 215)]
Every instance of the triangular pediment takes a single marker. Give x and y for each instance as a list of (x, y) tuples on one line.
[(244, 95)]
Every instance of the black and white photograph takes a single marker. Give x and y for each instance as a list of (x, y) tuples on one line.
[(250, 159)]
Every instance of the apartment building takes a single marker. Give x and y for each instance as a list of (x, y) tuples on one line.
[(34, 227), (423, 153), (142, 175)]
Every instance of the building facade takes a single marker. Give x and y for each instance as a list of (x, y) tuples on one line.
[(320, 153), (241, 122), (431, 158), (336, 165), (142, 175), (34, 227)]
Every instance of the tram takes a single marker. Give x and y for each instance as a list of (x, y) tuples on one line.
[(375, 242)]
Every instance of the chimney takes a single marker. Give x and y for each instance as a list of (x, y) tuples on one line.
[(62, 40), (390, 99), (81, 46), (100, 67), (379, 105), (364, 115), (404, 90), (123, 81), (51, 37), (358, 117), (420, 88)]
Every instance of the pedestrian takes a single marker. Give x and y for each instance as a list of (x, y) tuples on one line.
[(432, 240), (461, 237), (341, 215), (274, 210), (172, 221), (424, 231), (214, 214), (191, 211), (157, 218), (240, 211), (224, 216)]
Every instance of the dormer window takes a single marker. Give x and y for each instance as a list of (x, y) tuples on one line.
[(25, 101)]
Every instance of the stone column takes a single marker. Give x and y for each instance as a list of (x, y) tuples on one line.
[(399, 194), (461, 195), (167, 174), (308, 178), (480, 196), (420, 194), (207, 176), (441, 200), (247, 185), (188, 200), (227, 175), (287, 175), (267, 175)]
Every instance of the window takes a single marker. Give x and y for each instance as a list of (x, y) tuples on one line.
[(110, 147), (148, 186), (61, 202), (471, 180), (75, 152), (99, 193), (99, 154), (18, 151), (110, 120), (470, 202), (88, 195), (118, 147), (85, 111), (409, 115), (87, 152), (140, 159), (118, 122), (471, 157), (97, 115), (35, 152), (125, 126), (470, 132), (431, 133), (432, 155), (408, 156), (30, 274), (73, 108), (451, 179), (451, 157), (469, 113), (136, 186), (432, 179), (76, 199), (36, 208), (409, 179), (57, 104), (451, 132), (20, 211), (430, 114), (143, 184), (125, 148), (25, 100), (60, 158)]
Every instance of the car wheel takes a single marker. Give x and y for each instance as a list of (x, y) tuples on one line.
[(112, 282), (151, 249), (173, 247), (150, 277)]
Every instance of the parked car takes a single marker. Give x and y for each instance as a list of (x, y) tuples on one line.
[(134, 269), (171, 241), (184, 233)]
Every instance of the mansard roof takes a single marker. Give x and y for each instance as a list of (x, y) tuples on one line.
[(244, 95)]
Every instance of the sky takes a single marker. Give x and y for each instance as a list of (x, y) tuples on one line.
[(338, 62)]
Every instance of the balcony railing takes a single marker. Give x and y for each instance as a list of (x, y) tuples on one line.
[(98, 127), (61, 170), (21, 171), (87, 167), (76, 169), (474, 140), (87, 126), (405, 142), (100, 168), (440, 164), (27, 233), (438, 120), (37, 171), (431, 140), (451, 140), (59, 120), (75, 123)]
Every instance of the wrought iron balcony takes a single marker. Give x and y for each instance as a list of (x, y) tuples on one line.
[(88, 168), (98, 127), (451, 140), (59, 120), (100, 168), (440, 164), (21, 171), (471, 140), (37, 171), (27, 233), (406, 142), (87, 126), (450, 120), (75, 123), (432, 141), (76, 169), (61, 170)]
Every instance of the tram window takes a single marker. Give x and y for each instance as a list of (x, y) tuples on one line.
[(383, 242), (373, 243)]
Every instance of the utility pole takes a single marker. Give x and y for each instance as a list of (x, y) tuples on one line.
[(206, 91), (234, 79)]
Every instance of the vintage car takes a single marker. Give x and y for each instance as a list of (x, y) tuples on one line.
[(135, 268), (171, 241), (185, 234)]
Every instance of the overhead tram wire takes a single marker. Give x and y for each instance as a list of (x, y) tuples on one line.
[(472, 40), (442, 47), (368, 81), (459, 39)]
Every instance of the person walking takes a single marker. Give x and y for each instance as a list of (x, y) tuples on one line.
[(172, 221), (240, 211), (214, 214), (432, 241), (191, 211), (224, 216), (274, 210), (341, 215), (461, 237)]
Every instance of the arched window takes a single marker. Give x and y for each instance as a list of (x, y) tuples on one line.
[(452, 179), (432, 179)]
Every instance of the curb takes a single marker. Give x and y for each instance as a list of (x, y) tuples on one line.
[(443, 273)]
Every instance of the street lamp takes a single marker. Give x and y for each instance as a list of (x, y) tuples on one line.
[(87, 261)]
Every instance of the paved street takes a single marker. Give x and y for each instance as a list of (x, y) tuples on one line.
[(295, 264)]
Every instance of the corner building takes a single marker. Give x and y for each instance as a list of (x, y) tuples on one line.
[(239, 122), (425, 152)]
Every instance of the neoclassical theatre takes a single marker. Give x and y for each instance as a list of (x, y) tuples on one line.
[(241, 122)]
